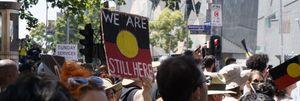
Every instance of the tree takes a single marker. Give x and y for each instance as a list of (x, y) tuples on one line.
[(37, 34), (168, 30), (78, 13), (78, 7)]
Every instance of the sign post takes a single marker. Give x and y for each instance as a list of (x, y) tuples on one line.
[(216, 15), (126, 43)]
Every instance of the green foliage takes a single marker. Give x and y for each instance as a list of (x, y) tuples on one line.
[(79, 13), (38, 33), (168, 30), (73, 7)]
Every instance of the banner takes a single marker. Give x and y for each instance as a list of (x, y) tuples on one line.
[(126, 42), (69, 51), (216, 15), (286, 73)]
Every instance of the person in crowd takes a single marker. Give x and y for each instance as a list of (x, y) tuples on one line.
[(8, 73), (229, 61), (285, 95), (256, 97), (235, 78), (255, 77), (30, 87), (179, 79), (26, 67), (137, 90), (82, 85), (113, 91), (209, 64), (34, 53), (216, 87), (267, 87), (22, 52), (258, 62)]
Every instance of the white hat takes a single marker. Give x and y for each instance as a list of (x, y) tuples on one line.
[(235, 75), (126, 82), (108, 85)]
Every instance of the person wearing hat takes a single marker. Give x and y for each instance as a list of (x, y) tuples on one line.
[(137, 90), (113, 91), (216, 87), (235, 78)]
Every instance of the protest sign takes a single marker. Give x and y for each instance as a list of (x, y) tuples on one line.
[(69, 51), (126, 43), (286, 73)]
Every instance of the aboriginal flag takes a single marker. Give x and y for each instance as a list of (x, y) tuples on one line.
[(286, 73), (126, 38)]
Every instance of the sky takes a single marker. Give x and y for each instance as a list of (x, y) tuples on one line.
[(38, 11)]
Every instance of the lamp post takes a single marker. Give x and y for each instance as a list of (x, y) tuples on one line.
[(280, 32)]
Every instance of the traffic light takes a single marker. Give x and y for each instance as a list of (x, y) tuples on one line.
[(215, 46), (87, 42)]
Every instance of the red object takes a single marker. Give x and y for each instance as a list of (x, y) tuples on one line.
[(284, 81), (138, 66), (216, 42)]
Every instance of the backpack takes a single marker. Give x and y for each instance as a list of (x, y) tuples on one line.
[(128, 93)]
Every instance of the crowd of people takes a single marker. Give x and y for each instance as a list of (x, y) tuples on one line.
[(188, 77)]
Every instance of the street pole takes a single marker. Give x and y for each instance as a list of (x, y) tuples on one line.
[(46, 24), (68, 30), (280, 32)]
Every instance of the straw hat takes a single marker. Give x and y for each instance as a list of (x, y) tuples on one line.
[(126, 82), (108, 85), (216, 84)]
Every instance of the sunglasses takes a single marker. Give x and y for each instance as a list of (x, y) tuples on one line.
[(81, 81), (257, 81)]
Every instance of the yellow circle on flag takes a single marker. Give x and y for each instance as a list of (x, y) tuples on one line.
[(293, 70), (127, 44)]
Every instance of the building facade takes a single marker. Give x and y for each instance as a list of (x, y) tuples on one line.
[(268, 35)]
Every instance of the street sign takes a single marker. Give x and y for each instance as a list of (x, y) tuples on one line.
[(126, 42), (69, 51), (199, 27), (216, 15)]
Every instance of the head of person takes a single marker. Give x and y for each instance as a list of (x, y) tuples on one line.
[(30, 87), (209, 63), (27, 36), (113, 91), (235, 77), (258, 62), (87, 89), (8, 72), (255, 77), (216, 87), (230, 61), (267, 87), (81, 83), (256, 97), (179, 79)]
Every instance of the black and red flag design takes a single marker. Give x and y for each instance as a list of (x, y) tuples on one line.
[(286, 73), (126, 42)]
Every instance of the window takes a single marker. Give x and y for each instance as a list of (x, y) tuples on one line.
[(270, 19)]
